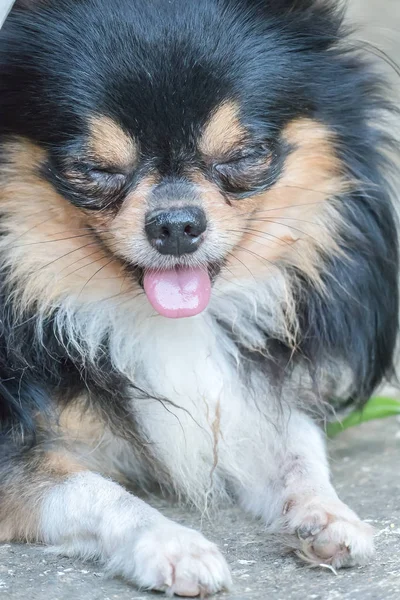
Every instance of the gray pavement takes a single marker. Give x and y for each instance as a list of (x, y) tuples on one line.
[(365, 463)]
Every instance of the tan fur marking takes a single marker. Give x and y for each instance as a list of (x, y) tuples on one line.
[(79, 424), (24, 489), (223, 132), (60, 464), (87, 438), (296, 221), (110, 144), (50, 248), (128, 224)]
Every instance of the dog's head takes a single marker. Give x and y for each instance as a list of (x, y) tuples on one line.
[(186, 137), (176, 146)]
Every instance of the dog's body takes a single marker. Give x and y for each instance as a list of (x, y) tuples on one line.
[(150, 150)]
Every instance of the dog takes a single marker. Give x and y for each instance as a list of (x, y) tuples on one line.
[(199, 264)]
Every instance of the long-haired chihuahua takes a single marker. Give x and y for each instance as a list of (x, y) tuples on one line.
[(198, 257)]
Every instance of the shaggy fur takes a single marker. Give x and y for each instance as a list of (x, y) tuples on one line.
[(261, 114)]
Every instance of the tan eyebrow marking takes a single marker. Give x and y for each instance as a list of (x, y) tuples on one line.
[(223, 132), (110, 144)]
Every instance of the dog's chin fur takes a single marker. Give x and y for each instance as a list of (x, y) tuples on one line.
[(96, 387)]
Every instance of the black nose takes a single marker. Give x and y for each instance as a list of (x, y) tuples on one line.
[(176, 231)]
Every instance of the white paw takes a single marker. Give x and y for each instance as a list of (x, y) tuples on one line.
[(174, 559), (328, 532)]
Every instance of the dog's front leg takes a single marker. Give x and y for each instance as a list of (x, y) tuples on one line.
[(47, 497), (297, 499)]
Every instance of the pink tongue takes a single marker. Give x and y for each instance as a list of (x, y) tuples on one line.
[(177, 293)]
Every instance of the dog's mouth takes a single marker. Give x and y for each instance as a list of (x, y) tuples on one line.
[(178, 292)]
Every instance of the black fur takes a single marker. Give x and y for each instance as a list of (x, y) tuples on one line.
[(62, 61)]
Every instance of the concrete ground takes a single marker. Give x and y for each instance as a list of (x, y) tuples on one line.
[(365, 464)]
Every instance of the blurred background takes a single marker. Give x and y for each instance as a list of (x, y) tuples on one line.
[(378, 22), (381, 19)]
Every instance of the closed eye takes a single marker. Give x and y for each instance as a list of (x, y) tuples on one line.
[(102, 175), (244, 170), (245, 157), (87, 184)]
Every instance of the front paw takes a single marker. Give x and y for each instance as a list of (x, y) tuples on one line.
[(327, 531), (177, 560)]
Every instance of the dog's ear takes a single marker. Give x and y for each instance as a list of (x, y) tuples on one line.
[(319, 20), (303, 9)]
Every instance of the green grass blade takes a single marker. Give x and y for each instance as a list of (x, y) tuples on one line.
[(376, 408)]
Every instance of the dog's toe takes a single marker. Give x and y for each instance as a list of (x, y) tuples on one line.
[(179, 561), (328, 532)]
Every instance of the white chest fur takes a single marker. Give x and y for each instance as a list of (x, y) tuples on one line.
[(204, 424), (186, 363)]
